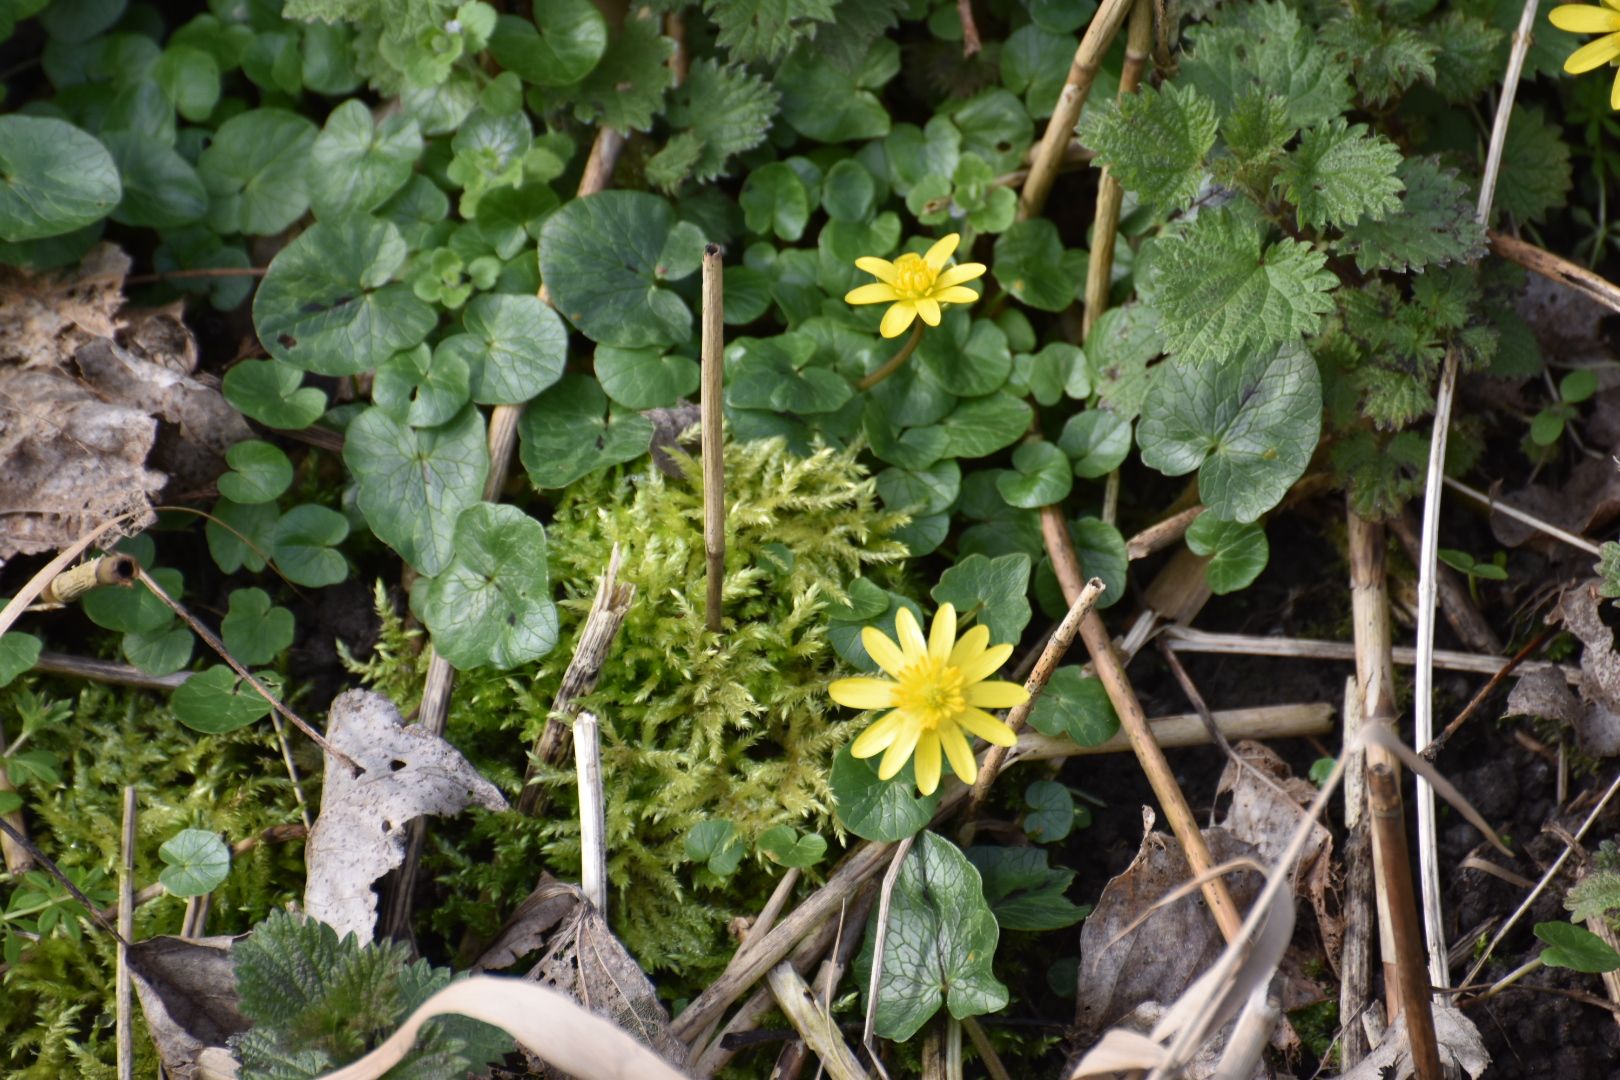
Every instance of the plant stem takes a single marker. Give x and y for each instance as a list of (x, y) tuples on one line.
[(896, 360), (1411, 971), (124, 989), (714, 464)]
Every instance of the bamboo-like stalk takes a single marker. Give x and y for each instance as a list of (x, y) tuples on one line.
[(69, 585), (851, 932), (763, 922), (814, 1026), (1088, 57), (1389, 832), (124, 989), (1105, 223), (1188, 729), (1540, 261), (1184, 639), (1109, 671), (1162, 534), (714, 464), (592, 812), (18, 859)]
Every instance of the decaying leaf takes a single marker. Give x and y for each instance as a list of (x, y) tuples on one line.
[(1459, 1041), (1595, 715), (405, 773), (187, 990)]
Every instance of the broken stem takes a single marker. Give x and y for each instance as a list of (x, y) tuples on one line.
[(124, 988), (1550, 266), (592, 812), (896, 360), (714, 462), (1389, 832), (69, 585), (814, 1026)]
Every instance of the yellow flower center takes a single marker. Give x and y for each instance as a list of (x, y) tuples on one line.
[(913, 277), (930, 691)]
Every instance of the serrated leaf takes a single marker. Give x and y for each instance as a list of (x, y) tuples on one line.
[(1594, 896), (1050, 811), (197, 863), (1467, 58), (558, 47), (256, 172), (1249, 427), (19, 652), (1076, 705), (764, 30), (1608, 568), (940, 943), (625, 89), (54, 178), (570, 431), (722, 111), (1096, 441), (994, 591), (1237, 553), (254, 630), (1576, 948), (1223, 293), (414, 482), (1154, 142), (259, 472), (1022, 891), (214, 701), (1256, 130), (514, 346), (356, 164), (785, 846), (1389, 58), (304, 541), (1041, 475), (880, 810), (1535, 177), (1339, 174), (1434, 226), (1265, 46)]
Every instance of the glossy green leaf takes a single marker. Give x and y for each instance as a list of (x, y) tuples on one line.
[(19, 652), (304, 543), (134, 609), (1030, 263), (255, 630), (514, 346), (873, 809), (1076, 705), (215, 701), (829, 104), (966, 357), (1040, 476), (570, 431), (159, 652), (775, 200), (981, 426), (242, 536), (196, 862), (356, 164), (270, 392), (714, 843), (1050, 811), (1096, 441), (161, 189), (645, 378), (54, 178), (259, 472), (1575, 947), (994, 591), (558, 47), (256, 171), (1022, 891), (1102, 554), (1237, 553), (784, 845)]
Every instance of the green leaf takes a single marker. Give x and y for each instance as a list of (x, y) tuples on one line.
[(1608, 568), (645, 378), (1022, 891), (425, 389), (78, 20), (414, 482), (995, 126), (1035, 62), (1249, 427), (879, 810), (1154, 142), (1040, 476), (775, 200), (1339, 174), (259, 472), (845, 634), (1434, 226), (993, 590), (214, 701), (940, 943), (559, 47), (255, 524), (719, 111), (1237, 553), (255, 169), (964, 356), (514, 347), (255, 631), (1119, 349), (196, 862), (981, 426), (1263, 45), (1076, 705), (599, 256), (828, 104), (1389, 58), (1102, 554), (1575, 947), (268, 391), (27, 766), (1535, 178), (849, 191), (134, 609), (1050, 813), (159, 652), (764, 30), (625, 90), (570, 431), (915, 154), (1467, 57), (783, 845), (1595, 895), (161, 189), (303, 544), (54, 178), (19, 652), (867, 601), (1029, 262), (356, 165), (492, 605), (763, 375), (326, 304), (1058, 370), (1096, 441), (1224, 294), (714, 843)]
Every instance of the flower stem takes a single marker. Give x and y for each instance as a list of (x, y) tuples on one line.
[(896, 360)]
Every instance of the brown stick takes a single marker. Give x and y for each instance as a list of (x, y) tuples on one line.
[(1162, 534), (124, 988), (815, 1026), (1055, 532), (852, 931), (18, 859), (106, 671), (971, 43), (1354, 965), (1105, 222), (1389, 831), (1187, 729), (714, 462), (1508, 667), (1455, 601), (1554, 268)]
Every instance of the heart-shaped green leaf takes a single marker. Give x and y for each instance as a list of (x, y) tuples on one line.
[(784, 845), (18, 653), (1040, 476), (714, 844), (1076, 705), (645, 378), (993, 590), (304, 543), (1022, 891), (1030, 263), (161, 189), (159, 652), (1097, 441), (255, 169), (514, 347), (1237, 553), (356, 164), (259, 472), (570, 431), (560, 46), (873, 809), (981, 426), (196, 862), (1050, 813), (242, 535), (775, 200), (215, 701), (54, 178), (255, 631), (134, 609)]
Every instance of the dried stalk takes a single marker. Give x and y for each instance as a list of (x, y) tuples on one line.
[(1159, 536), (761, 926), (879, 937), (987, 1053), (1496, 679), (1187, 729), (592, 812), (1105, 222), (1389, 833), (1550, 266), (106, 671), (44, 575), (714, 462), (851, 931), (1358, 904), (69, 585), (1520, 516), (814, 1025), (1088, 57), (124, 991), (18, 859), (1455, 602), (1184, 639), (1122, 695)]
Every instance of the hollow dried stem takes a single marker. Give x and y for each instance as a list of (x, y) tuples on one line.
[(1105, 222), (1550, 266), (124, 990), (714, 464), (592, 812), (1389, 832), (815, 1026), (69, 585), (1185, 639)]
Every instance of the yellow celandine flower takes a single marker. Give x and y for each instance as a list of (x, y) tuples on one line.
[(1591, 19), (938, 692), (916, 285)]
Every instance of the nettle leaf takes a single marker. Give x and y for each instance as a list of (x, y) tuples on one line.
[(269, 391), (1607, 568), (514, 346), (1050, 811), (1040, 476), (1076, 705), (645, 378), (256, 171), (1467, 60), (1096, 441), (940, 943), (1575, 947), (357, 164), (1265, 46), (1224, 294), (19, 652), (214, 701), (255, 630), (570, 431), (1237, 552), (1339, 174), (600, 257), (259, 472), (981, 426), (54, 178), (161, 188), (558, 47), (625, 89), (414, 482), (1248, 426), (764, 30), (995, 591), (1154, 142), (1030, 262), (721, 111), (828, 103), (1388, 57), (879, 810), (196, 863), (1535, 177), (303, 543), (326, 304), (785, 846), (492, 605), (1022, 891), (1434, 226)]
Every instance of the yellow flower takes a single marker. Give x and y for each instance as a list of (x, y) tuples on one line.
[(938, 692), (1590, 19), (916, 285)]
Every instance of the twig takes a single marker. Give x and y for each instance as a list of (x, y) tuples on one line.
[(199, 272), (1508, 667), (124, 988), (680, 58), (894, 362), (1389, 827), (814, 1025), (761, 926), (44, 575), (1076, 88), (1161, 535), (292, 770), (106, 671), (69, 585), (971, 43), (1359, 907), (880, 935), (1598, 923), (1195, 698), (714, 462), (1554, 268), (1527, 519), (592, 812), (1184, 639), (16, 856), (1187, 729), (1111, 674)]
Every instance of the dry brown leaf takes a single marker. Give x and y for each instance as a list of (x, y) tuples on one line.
[(406, 772), (187, 990), (45, 318), (1461, 1048), (1595, 716)]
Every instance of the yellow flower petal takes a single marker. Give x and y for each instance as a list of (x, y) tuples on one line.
[(956, 294), (996, 695), (883, 651), (882, 269), (928, 762), (1584, 19), (910, 635), (961, 272), (971, 646), (986, 665), (929, 310), (1614, 94), (959, 753), (879, 735), (942, 635), (894, 758), (941, 252), (862, 693), (1594, 54), (876, 292), (897, 320), (986, 727)]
